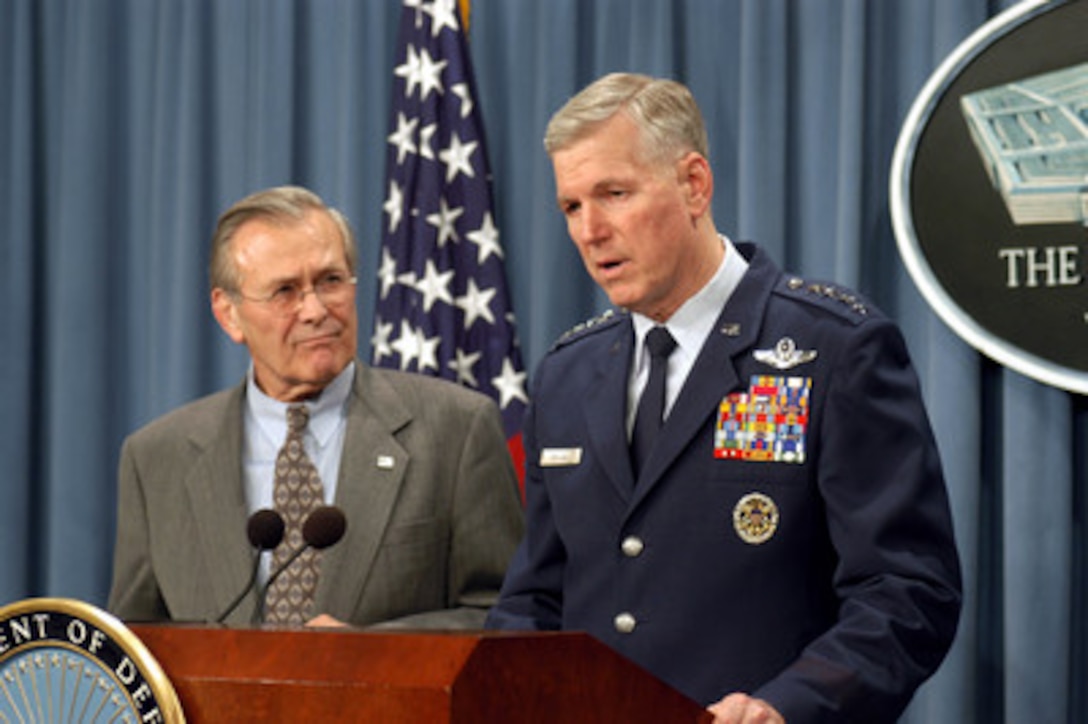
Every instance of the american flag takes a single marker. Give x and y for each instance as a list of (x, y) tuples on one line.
[(443, 307)]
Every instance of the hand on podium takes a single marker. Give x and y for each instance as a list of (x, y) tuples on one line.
[(744, 709), (324, 620)]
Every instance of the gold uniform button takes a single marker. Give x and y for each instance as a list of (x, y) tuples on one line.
[(632, 546), (624, 622)]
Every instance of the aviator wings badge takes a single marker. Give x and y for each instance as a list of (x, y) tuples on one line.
[(784, 355)]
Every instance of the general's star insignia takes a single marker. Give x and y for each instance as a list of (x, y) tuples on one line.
[(784, 355)]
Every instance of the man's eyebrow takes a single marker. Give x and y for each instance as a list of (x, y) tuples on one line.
[(332, 268), (283, 279), (602, 185)]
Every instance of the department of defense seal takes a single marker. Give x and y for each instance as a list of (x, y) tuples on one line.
[(755, 518), (65, 661)]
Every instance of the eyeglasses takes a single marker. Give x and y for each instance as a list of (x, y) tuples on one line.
[(332, 290)]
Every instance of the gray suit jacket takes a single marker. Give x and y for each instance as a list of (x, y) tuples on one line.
[(427, 541)]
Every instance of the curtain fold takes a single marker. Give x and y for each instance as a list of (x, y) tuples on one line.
[(21, 353), (126, 126)]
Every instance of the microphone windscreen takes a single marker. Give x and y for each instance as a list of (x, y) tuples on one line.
[(324, 527), (265, 529)]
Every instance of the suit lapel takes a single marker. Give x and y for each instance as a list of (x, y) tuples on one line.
[(372, 470), (214, 485), (714, 374), (606, 408)]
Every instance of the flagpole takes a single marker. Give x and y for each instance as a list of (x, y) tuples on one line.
[(466, 7)]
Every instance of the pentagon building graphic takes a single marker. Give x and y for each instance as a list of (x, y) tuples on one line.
[(1032, 135)]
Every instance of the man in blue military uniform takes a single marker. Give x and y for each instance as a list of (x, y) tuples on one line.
[(733, 480)]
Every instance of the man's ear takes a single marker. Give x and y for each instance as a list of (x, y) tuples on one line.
[(225, 310), (698, 179)]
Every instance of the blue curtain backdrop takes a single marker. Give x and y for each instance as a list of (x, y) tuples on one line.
[(127, 125)]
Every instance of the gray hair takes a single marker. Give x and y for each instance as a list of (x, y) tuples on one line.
[(664, 111), (281, 204)]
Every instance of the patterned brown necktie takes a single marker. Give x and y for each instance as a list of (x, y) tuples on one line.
[(297, 492)]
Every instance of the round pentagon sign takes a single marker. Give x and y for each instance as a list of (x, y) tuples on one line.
[(989, 191), (66, 661)]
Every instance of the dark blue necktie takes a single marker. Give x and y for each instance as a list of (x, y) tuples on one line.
[(651, 406)]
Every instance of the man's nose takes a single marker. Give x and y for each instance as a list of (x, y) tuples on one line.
[(591, 225), (311, 306)]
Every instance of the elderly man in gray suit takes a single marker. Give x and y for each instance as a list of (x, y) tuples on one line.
[(419, 466)]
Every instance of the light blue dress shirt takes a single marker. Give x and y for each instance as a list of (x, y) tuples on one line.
[(690, 326)]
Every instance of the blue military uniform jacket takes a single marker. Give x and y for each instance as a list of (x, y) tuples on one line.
[(790, 534)]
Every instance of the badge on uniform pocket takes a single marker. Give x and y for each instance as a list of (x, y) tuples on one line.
[(755, 518)]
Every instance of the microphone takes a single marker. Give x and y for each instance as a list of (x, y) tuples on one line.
[(324, 527), (265, 531)]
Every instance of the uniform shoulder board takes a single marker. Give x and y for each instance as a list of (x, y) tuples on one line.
[(829, 296), (601, 321)]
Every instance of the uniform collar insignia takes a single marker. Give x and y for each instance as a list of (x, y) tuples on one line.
[(784, 355)]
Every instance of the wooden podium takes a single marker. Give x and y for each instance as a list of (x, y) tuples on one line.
[(331, 675)]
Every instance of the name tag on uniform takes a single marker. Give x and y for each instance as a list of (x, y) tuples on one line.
[(559, 457)]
